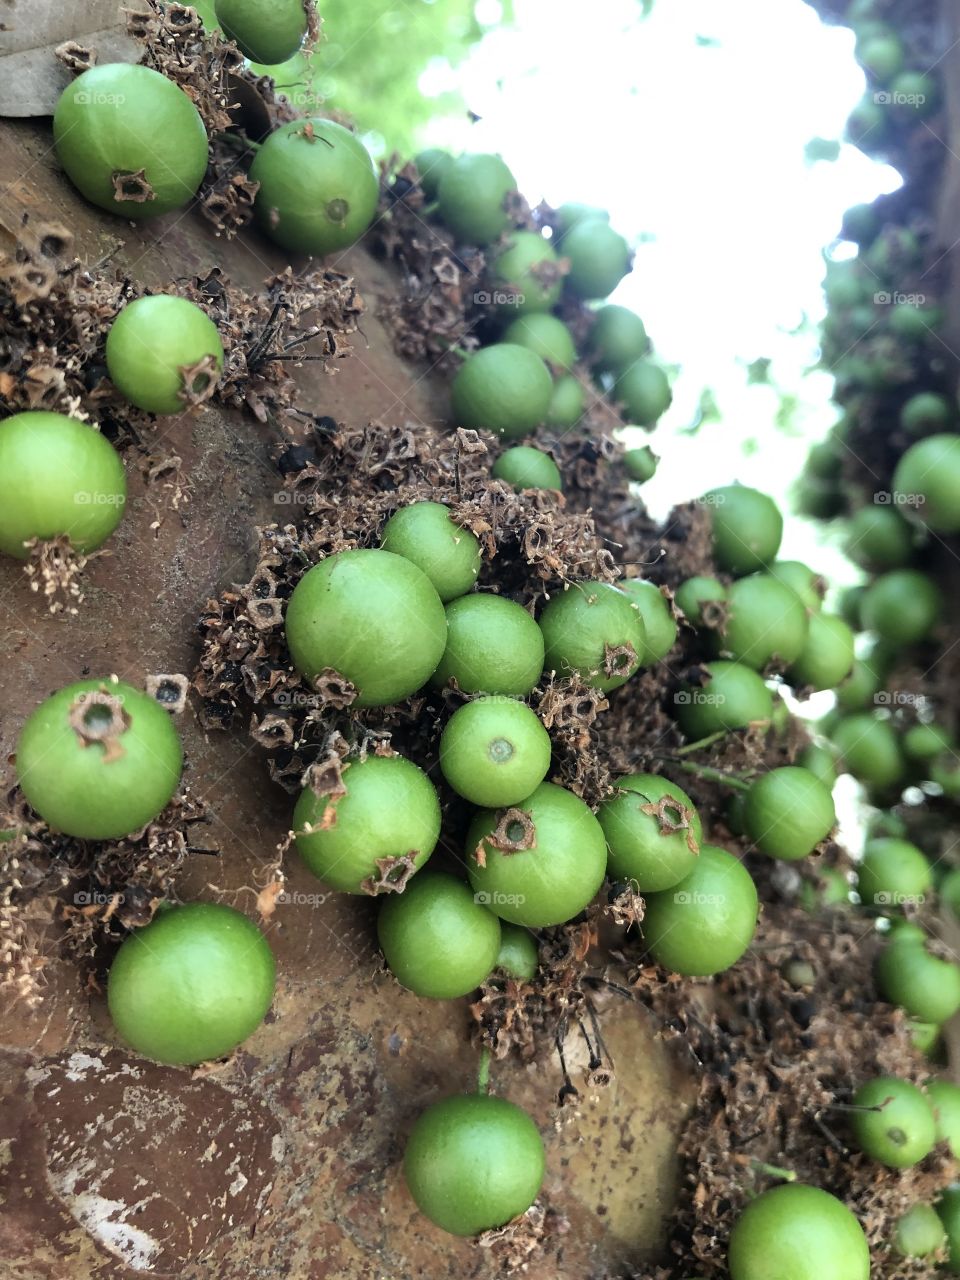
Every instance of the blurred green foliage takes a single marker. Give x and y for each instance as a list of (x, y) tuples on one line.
[(370, 59)]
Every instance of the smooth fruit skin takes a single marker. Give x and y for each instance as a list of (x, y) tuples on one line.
[(425, 534), (923, 984), (150, 344), (801, 579), (318, 187), (594, 630), (927, 478), (693, 594), (787, 812), (879, 538), (472, 198), (797, 1232), (502, 388), (948, 1209), (870, 750), (567, 402), (494, 752), (544, 334), (944, 1097), (893, 872), (519, 955), (438, 940), (732, 697), (493, 646), (192, 985), (926, 741), (58, 477), (266, 31), (919, 1232), (599, 258), (81, 787), (747, 528), (557, 877), (705, 922), (473, 1163), (645, 390), (618, 338), (121, 119), (902, 1131), (819, 760), (372, 616), (528, 269), (902, 606), (390, 810), (659, 624), (640, 464), (827, 657), (524, 467), (926, 412), (765, 620), (432, 163), (653, 832)]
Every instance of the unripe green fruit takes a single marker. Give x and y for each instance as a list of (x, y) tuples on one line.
[(493, 646), (860, 224), (524, 467), (640, 464), (850, 599), (594, 630), (869, 750), (765, 621), (388, 810), (881, 57), (437, 939), (653, 832), (554, 878), (693, 594), (98, 760), (902, 606), (519, 955), (472, 196), (747, 527), (573, 212), (827, 656), (192, 984), (153, 348), (266, 31), (644, 389), (787, 812), (502, 388), (893, 873), (868, 125), (801, 579), (528, 271), (371, 616), (432, 163), (704, 923), (799, 1233), (944, 1098), (58, 478), (926, 741), (731, 696), (599, 258), (913, 323), (919, 1232), (859, 690), (123, 132), (494, 752), (819, 760), (879, 538), (916, 96), (659, 625), (902, 1131), (617, 339), (473, 1163), (425, 534), (925, 413), (927, 479), (544, 334), (567, 402), (923, 984), (318, 187)]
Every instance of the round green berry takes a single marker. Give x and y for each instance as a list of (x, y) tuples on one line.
[(926, 413), (640, 464), (765, 621), (926, 741), (919, 1232), (425, 534), (747, 528), (432, 163), (801, 579), (799, 1233), (879, 538), (502, 388), (567, 402), (787, 812), (902, 606), (870, 750), (161, 351), (653, 832), (266, 31), (593, 630), (927, 986), (944, 1098), (472, 198), (827, 657), (693, 594), (544, 334), (896, 1126), (494, 752), (493, 646), (599, 258), (820, 761), (927, 482), (524, 467), (645, 391), (659, 624), (893, 873), (519, 955), (727, 696), (526, 274), (617, 338)]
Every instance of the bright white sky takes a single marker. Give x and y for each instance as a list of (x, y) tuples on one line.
[(702, 149)]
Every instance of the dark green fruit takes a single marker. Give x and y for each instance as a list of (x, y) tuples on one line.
[(432, 163), (372, 617), (919, 1232), (801, 579), (788, 812), (640, 464), (898, 1129), (387, 810), (860, 688), (915, 94), (502, 388), (902, 606), (881, 57), (318, 187), (98, 759), (544, 334), (540, 862), (860, 224), (473, 1163), (827, 656), (927, 480), (266, 31), (765, 621), (58, 478), (191, 985), (645, 391), (472, 198), (798, 1233), (913, 323), (731, 696), (870, 750), (599, 258), (617, 339), (659, 624), (154, 348), (893, 873), (948, 1209), (425, 534), (926, 741), (705, 922), (130, 140), (879, 538), (653, 832), (593, 629), (524, 467), (525, 275), (438, 941), (925, 413), (747, 528), (519, 955), (944, 1097), (573, 212), (493, 646), (494, 752), (567, 402), (820, 761), (867, 125), (923, 984), (693, 594), (850, 599)]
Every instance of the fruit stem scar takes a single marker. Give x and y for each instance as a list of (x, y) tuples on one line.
[(337, 210), (98, 716), (500, 750)]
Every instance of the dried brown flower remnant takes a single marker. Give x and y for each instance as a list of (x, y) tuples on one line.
[(392, 874)]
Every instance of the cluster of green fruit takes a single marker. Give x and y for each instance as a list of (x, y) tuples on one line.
[(526, 378), (899, 94)]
